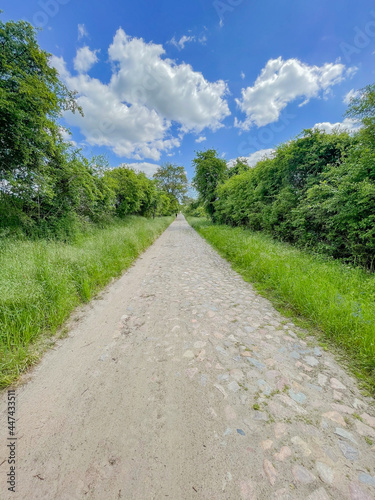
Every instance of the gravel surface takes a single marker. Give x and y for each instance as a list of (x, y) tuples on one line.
[(181, 382)]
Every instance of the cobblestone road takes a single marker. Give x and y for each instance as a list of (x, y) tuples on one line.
[(181, 382)]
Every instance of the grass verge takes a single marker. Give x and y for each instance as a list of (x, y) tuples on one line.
[(41, 282), (336, 299)]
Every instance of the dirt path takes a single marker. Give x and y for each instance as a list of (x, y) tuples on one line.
[(182, 383)]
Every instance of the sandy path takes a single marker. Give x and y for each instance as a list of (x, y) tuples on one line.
[(151, 396)]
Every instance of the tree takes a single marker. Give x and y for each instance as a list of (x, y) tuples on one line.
[(238, 168), (172, 179), (31, 99), (210, 172), (32, 157)]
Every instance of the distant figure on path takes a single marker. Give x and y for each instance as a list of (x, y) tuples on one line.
[(176, 215)]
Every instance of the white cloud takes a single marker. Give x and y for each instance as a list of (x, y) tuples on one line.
[(148, 168), (180, 44), (348, 125), (253, 159), (82, 32), (67, 136), (280, 83), (146, 94), (85, 59), (350, 95), (242, 75), (200, 139)]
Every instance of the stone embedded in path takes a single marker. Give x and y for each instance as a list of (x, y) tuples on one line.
[(322, 379), (188, 354), (302, 444), (348, 451), (298, 397), (345, 434), (367, 479), (302, 475), (368, 419), (356, 492), (335, 417), (342, 408), (233, 386), (280, 429), (270, 471), (261, 415), (256, 363), (336, 384), (310, 360), (284, 453), (267, 444), (325, 472), (364, 430)]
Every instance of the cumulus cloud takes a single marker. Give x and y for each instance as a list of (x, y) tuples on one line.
[(253, 159), (352, 94), (85, 59), (282, 82), (348, 125), (148, 168), (82, 32), (200, 139), (147, 93)]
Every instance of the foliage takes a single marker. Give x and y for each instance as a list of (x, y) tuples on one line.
[(336, 298), (194, 208), (317, 192), (173, 180), (210, 172), (238, 168), (31, 98)]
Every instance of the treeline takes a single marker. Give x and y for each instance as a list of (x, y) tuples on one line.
[(47, 187), (316, 192)]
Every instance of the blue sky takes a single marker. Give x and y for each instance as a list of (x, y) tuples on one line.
[(161, 80)]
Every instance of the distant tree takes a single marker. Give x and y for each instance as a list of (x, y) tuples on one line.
[(172, 179), (238, 168), (210, 172)]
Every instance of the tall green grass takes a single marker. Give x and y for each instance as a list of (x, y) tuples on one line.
[(337, 299), (42, 281)]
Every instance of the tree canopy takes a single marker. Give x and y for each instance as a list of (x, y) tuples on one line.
[(172, 179)]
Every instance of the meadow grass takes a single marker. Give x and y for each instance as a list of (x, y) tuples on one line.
[(336, 299), (41, 282)]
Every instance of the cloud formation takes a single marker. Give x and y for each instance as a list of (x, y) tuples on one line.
[(348, 125), (147, 93), (200, 139), (85, 59), (82, 32), (253, 159), (282, 82)]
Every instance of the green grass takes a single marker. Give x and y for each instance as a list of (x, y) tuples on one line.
[(336, 299), (41, 282)]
